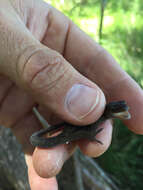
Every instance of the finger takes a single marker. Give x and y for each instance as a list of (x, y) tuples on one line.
[(51, 80), (47, 162), (104, 71), (94, 62), (36, 182), (95, 149)]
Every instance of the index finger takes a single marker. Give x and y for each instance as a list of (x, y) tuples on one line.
[(95, 63), (98, 65)]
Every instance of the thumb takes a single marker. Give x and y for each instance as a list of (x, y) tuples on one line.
[(45, 74), (58, 86)]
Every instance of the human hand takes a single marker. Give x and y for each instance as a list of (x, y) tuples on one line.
[(47, 62)]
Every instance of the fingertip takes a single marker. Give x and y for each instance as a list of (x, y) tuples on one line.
[(127, 89), (95, 149), (36, 182), (48, 162)]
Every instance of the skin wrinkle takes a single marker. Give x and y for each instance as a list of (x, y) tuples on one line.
[(29, 19), (49, 23), (16, 49), (54, 30), (66, 39), (39, 73), (56, 79), (27, 15), (56, 61), (19, 7), (39, 32), (23, 60), (81, 65), (54, 83)]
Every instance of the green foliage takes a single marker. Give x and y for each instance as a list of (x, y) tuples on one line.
[(122, 36), (123, 160)]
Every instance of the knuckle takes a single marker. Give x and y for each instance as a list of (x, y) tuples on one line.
[(43, 69)]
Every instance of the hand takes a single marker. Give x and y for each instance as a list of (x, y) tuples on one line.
[(48, 62)]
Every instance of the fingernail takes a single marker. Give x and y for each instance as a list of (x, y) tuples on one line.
[(81, 100)]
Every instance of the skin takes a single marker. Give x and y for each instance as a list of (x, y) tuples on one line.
[(42, 56)]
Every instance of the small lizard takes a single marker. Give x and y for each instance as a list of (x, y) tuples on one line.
[(69, 132)]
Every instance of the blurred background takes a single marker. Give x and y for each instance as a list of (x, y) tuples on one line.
[(118, 27)]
